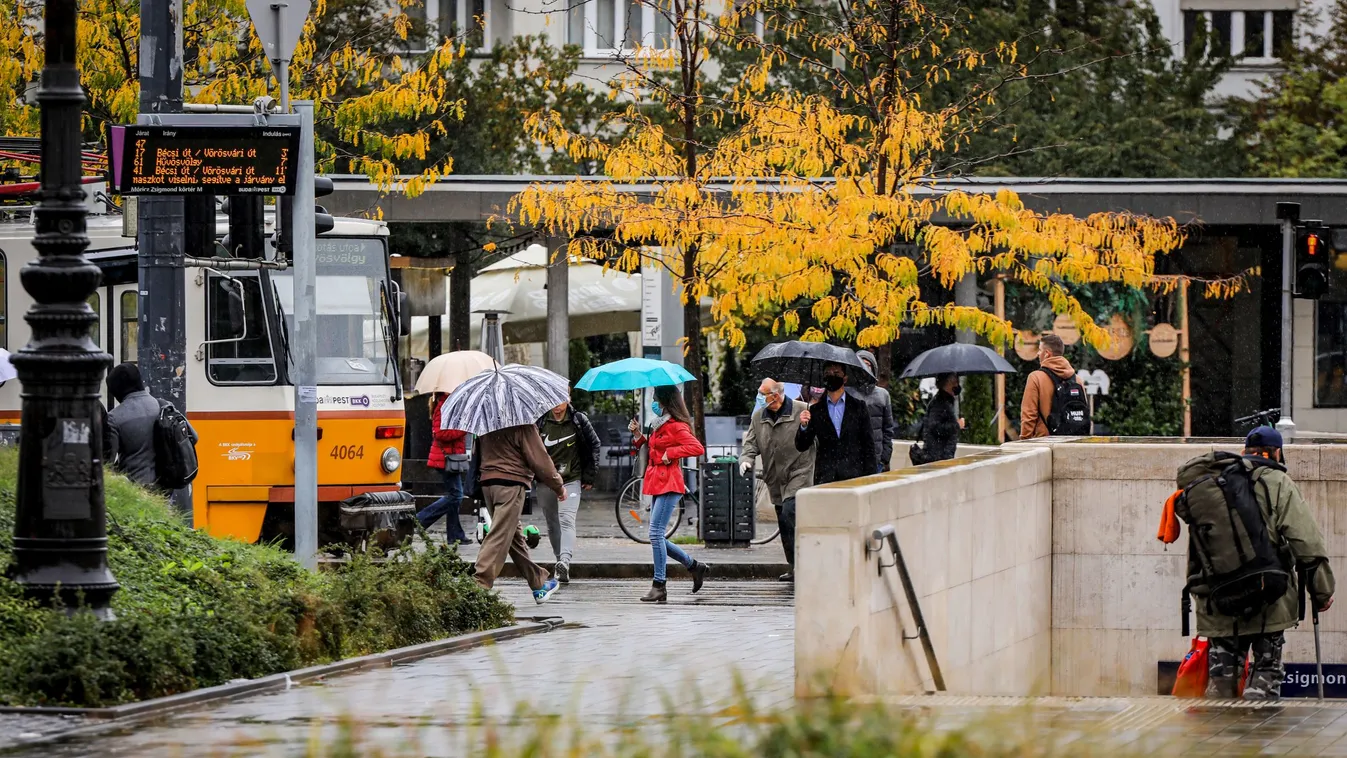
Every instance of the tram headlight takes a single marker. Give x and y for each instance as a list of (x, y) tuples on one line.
[(391, 459)]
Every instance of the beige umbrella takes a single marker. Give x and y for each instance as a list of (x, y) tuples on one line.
[(445, 372)]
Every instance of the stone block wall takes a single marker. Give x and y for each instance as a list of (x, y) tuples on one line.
[(976, 534)]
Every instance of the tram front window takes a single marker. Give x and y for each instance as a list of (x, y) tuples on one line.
[(354, 334)]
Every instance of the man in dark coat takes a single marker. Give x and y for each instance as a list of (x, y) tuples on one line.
[(841, 425), (940, 428)]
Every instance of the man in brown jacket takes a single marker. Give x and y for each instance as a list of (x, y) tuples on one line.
[(1038, 389), (510, 458)]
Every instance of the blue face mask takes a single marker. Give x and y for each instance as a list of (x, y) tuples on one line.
[(656, 409)]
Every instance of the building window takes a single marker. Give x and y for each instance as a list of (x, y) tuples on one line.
[(130, 318), (610, 27), (1253, 36), (238, 349), (463, 19), (1330, 355), (95, 333)]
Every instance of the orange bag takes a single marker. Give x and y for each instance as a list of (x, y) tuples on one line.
[(1193, 672)]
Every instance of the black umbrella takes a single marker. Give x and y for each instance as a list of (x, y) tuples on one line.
[(803, 363), (958, 358)]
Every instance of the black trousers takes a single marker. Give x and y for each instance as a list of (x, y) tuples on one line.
[(785, 516)]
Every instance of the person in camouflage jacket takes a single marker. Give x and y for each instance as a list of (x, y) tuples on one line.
[(1288, 515)]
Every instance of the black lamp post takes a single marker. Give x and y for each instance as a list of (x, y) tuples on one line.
[(60, 531)]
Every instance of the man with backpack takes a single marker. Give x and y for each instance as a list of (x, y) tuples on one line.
[(1253, 548), (1054, 401), (147, 439)]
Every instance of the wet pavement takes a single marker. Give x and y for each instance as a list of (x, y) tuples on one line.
[(619, 661)]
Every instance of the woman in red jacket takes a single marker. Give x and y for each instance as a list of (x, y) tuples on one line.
[(447, 453), (671, 440)]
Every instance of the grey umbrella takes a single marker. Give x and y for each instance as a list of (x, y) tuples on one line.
[(957, 358), (803, 363), (495, 399)]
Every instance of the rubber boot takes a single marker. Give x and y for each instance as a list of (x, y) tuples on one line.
[(657, 594)]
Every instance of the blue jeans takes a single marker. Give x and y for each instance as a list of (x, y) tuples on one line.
[(663, 510), (449, 504)]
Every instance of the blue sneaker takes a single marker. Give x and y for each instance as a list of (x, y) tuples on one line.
[(549, 589)]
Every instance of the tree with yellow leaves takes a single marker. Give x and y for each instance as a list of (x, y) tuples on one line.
[(377, 107), (801, 201)]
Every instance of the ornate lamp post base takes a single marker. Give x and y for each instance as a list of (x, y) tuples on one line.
[(60, 531)]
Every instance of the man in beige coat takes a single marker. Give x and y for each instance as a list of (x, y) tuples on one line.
[(785, 470), (1038, 389)]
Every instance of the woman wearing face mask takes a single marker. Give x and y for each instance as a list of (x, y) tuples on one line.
[(940, 428), (671, 440)]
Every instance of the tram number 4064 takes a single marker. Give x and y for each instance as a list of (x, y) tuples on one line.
[(347, 452)]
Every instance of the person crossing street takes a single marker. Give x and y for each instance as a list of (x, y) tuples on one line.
[(785, 469), (573, 446), (671, 440)]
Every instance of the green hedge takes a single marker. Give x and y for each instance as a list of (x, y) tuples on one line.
[(195, 611)]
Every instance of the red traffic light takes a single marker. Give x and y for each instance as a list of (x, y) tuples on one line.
[(1313, 245)]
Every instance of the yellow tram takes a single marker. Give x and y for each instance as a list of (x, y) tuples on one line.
[(239, 395)]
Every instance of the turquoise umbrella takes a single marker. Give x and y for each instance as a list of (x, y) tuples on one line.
[(632, 374)]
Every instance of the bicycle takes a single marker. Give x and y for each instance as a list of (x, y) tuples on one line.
[(1269, 417), (633, 513)]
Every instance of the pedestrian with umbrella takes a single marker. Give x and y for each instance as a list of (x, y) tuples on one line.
[(671, 440), (839, 424), (880, 406), (502, 407), (448, 447), (939, 433)]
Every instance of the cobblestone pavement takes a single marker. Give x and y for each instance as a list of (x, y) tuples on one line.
[(624, 661)]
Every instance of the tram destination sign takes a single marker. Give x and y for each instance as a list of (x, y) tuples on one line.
[(215, 160)]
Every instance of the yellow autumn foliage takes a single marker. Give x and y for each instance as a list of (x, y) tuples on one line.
[(383, 110), (833, 204)]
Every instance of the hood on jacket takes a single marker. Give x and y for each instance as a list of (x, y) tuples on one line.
[(1059, 365), (868, 357)]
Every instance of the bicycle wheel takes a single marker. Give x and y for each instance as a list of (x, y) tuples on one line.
[(633, 513), (776, 532)]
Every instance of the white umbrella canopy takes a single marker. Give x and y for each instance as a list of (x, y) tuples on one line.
[(599, 301), (444, 373), (512, 395)]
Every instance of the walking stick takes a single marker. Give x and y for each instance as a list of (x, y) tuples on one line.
[(1318, 655)]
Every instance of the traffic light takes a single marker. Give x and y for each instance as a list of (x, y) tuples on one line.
[(322, 222), (1313, 256)]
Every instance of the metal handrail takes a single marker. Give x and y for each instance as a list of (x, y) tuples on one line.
[(889, 534)]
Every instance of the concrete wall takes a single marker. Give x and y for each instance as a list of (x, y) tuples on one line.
[(1116, 590), (1036, 566), (976, 534)]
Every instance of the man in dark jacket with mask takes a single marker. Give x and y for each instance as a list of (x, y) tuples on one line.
[(877, 401), (941, 425), (841, 426)]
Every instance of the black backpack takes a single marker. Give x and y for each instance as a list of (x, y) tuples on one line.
[(1070, 414), (174, 451), (1244, 567)]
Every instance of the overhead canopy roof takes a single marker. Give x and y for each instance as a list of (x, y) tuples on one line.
[(1210, 201)]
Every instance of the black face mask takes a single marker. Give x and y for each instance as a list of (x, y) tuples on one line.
[(833, 383), (958, 390)]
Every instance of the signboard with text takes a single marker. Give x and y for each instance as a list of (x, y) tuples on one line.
[(1301, 681), (215, 160)]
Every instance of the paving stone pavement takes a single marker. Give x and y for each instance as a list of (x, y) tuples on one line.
[(623, 661)]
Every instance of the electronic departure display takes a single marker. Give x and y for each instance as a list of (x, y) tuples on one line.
[(213, 160)]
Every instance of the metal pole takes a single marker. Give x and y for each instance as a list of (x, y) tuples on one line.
[(305, 349), (162, 347), (282, 64), (60, 526), (558, 310), (1183, 358), (999, 303), (1286, 426)]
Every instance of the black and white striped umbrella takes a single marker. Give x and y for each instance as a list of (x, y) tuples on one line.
[(500, 398)]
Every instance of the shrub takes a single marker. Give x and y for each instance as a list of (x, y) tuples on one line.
[(196, 611)]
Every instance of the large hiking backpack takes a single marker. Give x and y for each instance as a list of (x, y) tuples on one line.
[(174, 451), (1244, 565), (1070, 414)]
